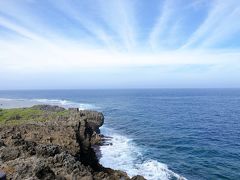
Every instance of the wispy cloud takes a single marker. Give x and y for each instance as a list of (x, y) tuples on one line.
[(116, 25), (220, 24), (20, 16), (172, 24), (119, 15), (76, 11), (161, 23), (66, 36)]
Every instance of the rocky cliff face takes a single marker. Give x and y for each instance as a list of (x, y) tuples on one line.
[(59, 148)]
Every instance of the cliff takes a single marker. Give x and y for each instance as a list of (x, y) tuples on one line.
[(50, 142)]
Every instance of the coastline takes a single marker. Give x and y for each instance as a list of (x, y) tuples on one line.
[(69, 137), (120, 152)]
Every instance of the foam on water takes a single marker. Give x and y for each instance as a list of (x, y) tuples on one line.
[(65, 103), (14, 103), (124, 155)]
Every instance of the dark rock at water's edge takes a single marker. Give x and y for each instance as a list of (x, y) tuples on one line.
[(60, 147)]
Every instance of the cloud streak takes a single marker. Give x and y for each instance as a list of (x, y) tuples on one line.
[(162, 21), (116, 25), (120, 17), (220, 23), (64, 36)]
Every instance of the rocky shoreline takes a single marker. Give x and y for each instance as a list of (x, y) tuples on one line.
[(53, 143)]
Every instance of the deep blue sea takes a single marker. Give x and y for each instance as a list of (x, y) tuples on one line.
[(161, 133)]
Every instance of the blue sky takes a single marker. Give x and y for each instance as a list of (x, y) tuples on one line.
[(64, 44)]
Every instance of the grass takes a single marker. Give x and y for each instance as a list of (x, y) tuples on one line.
[(22, 115)]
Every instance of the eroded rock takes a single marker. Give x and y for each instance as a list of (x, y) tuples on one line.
[(59, 148)]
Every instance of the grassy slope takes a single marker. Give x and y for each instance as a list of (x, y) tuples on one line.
[(21, 115)]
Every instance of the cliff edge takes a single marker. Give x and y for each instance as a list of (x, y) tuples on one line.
[(50, 142)]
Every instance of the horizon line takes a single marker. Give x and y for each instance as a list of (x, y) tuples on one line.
[(79, 89)]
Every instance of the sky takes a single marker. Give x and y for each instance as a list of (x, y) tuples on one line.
[(88, 44)]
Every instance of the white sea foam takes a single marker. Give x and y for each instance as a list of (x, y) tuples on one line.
[(66, 103), (14, 103), (124, 155)]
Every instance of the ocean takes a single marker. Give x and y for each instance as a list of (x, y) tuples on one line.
[(160, 133)]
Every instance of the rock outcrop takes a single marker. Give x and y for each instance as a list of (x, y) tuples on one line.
[(59, 148)]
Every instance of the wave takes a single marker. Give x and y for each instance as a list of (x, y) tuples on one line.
[(124, 155)]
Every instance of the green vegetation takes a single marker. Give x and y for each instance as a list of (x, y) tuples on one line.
[(21, 115)]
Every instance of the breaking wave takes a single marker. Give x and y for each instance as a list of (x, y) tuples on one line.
[(123, 154)]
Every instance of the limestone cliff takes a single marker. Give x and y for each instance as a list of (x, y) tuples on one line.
[(54, 144)]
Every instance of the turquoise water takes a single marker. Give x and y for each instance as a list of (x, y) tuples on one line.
[(164, 133)]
